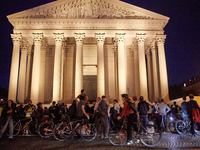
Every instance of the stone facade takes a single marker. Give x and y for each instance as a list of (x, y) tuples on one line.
[(58, 47)]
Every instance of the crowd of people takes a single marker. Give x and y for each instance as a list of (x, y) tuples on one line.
[(101, 112)]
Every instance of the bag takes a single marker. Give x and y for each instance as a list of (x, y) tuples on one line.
[(195, 115), (100, 110), (132, 106), (144, 108)]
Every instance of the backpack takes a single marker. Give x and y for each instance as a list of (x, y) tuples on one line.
[(195, 115), (100, 110), (132, 106), (144, 108)]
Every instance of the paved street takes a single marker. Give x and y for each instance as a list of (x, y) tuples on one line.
[(168, 141)]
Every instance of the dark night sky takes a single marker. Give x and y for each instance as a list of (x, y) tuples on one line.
[(182, 44)]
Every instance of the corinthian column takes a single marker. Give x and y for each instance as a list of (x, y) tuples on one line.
[(136, 72), (162, 66), (155, 72), (36, 67), (100, 64), (149, 74), (142, 65), (22, 72), (16, 37), (120, 39), (57, 66), (79, 63)]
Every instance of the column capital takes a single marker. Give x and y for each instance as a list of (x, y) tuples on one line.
[(160, 38), (16, 37), (140, 37), (79, 37), (25, 46), (120, 37), (37, 37), (59, 37), (100, 37)]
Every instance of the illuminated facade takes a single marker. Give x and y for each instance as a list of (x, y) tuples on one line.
[(106, 47)]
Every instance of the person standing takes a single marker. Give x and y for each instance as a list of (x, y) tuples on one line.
[(39, 113), (156, 113), (8, 115), (97, 116), (116, 106), (84, 95), (184, 110), (29, 110), (190, 105), (163, 109), (103, 110), (143, 108), (131, 117)]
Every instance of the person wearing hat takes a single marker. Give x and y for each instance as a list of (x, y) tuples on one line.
[(190, 105), (143, 108)]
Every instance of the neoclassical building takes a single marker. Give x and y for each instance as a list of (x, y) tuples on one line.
[(106, 47)]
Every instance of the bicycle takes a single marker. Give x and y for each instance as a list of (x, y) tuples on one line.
[(45, 129), (184, 127), (17, 127), (150, 137), (65, 130)]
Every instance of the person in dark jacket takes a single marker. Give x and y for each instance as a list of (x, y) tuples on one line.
[(39, 113), (184, 110), (8, 115), (103, 107), (190, 105), (72, 110), (143, 108)]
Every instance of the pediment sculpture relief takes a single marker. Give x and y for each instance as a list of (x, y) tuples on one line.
[(87, 9)]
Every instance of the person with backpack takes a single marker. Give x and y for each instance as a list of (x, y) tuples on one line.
[(103, 111), (129, 113), (190, 106), (143, 108)]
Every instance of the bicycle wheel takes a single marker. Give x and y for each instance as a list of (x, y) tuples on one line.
[(61, 131), (151, 137), (16, 128), (45, 130), (117, 136), (172, 127), (196, 129), (181, 127), (88, 132), (33, 128)]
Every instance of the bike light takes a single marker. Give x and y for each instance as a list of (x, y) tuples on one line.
[(171, 118)]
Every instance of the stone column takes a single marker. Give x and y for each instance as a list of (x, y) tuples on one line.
[(42, 70), (100, 64), (162, 66), (136, 68), (155, 72), (22, 72), (36, 67), (62, 70), (57, 66), (79, 63), (120, 39), (142, 65), (28, 73), (149, 74), (16, 37)]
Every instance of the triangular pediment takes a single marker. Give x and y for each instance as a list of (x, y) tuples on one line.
[(87, 9)]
